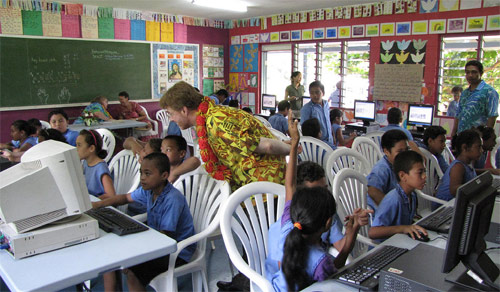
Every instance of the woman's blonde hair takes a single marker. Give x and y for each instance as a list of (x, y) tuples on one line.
[(181, 95), (100, 99)]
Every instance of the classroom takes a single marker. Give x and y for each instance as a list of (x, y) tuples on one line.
[(361, 68)]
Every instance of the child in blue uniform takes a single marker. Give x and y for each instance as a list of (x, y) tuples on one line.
[(278, 121), (468, 148), (396, 211), (20, 132), (58, 120), (168, 213), (382, 179), (96, 171), (435, 141), (336, 120)]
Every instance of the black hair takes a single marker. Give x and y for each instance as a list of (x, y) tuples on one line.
[(92, 137), (309, 171), (24, 126), (317, 83), (155, 144), (34, 123), (196, 88), (58, 112), (311, 208), (248, 110), (486, 132), (52, 134), (433, 132), (179, 141), (160, 160), (467, 138), (394, 115), (311, 128), (222, 92), (457, 89), (294, 74), (391, 137), (476, 63), (234, 103), (335, 113), (405, 160), (283, 105), (124, 94)]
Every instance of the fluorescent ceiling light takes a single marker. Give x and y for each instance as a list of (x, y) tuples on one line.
[(232, 5)]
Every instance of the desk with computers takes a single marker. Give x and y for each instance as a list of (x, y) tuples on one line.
[(456, 261)]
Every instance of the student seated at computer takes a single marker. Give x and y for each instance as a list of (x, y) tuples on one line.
[(435, 141), (96, 171), (311, 128), (58, 120), (468, 148), (489, 141), (142, 148), (395, 118), (279, 121), (21, 133), (396, 211), (382, 178), (175, 147), (168, 213), (336, 116)]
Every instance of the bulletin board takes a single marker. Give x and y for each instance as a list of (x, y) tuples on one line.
[(213, 69), (398, 82), (173, 63)]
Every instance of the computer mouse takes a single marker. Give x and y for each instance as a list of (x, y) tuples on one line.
[(423, 237)]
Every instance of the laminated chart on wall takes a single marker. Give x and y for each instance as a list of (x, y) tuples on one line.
[(251, 58), (213, 61), (398, 82), (173, 63), (236, 58)]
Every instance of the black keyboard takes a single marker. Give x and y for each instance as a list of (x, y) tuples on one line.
[(438, 221), (111, 220), (364, 273)]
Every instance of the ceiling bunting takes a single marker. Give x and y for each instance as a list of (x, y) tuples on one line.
[(73, 9), (134, 14), (378, 9), (312, 15), (328, 13), (263, 23), (105, 12), (274, 20), (303, 16), (339, 13), (347, 12), (358, 11), (281, 19), (320, 14), (119, 13), (388, 7), (411, 6), (296, 17), (367, 10), (90, 10), (400, 6), (288, 18)]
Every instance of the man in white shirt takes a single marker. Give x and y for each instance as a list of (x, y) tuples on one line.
[(334, 98)]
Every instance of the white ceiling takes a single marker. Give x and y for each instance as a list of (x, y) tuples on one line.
[(256, 7)]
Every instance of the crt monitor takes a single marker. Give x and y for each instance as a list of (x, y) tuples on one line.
[(420, 115), (364, 110), (268, 101), (474, 204), (48, 185)]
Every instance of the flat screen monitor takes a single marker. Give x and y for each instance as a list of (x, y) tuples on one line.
[(268, 101), (474, 204), (420, 115), (305, 99), (364, 110)]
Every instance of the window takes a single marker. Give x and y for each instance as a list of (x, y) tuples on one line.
[(277, 64), (455, 52), (306, 63), (331, 64), (356, 72)]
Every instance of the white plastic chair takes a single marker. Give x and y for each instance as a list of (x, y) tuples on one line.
[(108, 142), (263, 120), (350, 191), (376, 137), (369, 149), (45, 125), (434, 174), (314, 150), (125, 170), (204, 196), (162, 116), (448, 155), (151, 132), (279, 135), (190, 137), (251, 226), (345, 158), (493, 154)]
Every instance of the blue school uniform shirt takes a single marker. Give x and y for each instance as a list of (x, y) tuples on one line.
[(476, 106), (169, 212), (215, 99), (319, 262), (396, 209), (481, 162), (383, 178), (71, 137), (443, 191), (173, 129), (397, 127), (30, 140), (93, 177), (443, 163), (452, 109), (322, 113), (279, 122), (277, 235), (335, 127)]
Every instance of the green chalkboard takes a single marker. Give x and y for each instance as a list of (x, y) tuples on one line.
[(37, 71)]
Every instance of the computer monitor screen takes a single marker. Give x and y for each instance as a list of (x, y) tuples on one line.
[(268, 101), (420, 115), (305, 99), (364, 110), (46, 186), (474, 204)]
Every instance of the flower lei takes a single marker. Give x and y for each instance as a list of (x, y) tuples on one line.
[(212, 164)]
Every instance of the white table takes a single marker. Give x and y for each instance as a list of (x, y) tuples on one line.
[(72, 265), (110, 125)]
